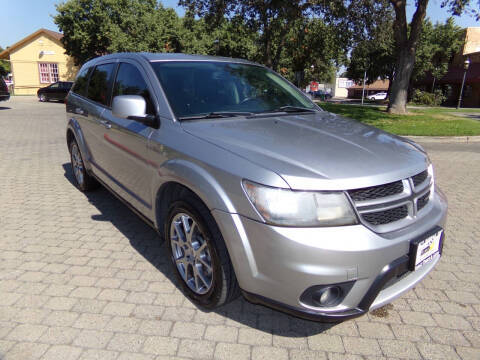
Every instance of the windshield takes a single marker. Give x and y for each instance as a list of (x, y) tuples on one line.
[(196, 88)]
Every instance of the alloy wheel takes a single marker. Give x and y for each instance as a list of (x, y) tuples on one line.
[(77, 163), (191, 253)]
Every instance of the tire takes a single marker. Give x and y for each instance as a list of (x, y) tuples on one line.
[(85, 182), (213, 283), (42, 98)]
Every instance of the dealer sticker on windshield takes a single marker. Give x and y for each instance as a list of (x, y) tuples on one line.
[(426, 250)]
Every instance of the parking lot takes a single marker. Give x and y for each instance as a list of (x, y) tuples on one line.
[(81, 277)]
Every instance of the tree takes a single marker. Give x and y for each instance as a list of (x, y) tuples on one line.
[(438, 44), (97, 27), (232, 38), (311, 47), (374, 55), (271, 20), (4, 66), (406, 42)]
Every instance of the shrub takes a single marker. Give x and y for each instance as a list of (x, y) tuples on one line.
[(427, 98)]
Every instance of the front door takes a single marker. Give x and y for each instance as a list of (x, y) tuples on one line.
[(126, 141)]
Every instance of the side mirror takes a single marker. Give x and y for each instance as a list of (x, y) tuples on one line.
[(132, 107)]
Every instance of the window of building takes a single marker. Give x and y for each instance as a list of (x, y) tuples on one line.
[(48, 72)]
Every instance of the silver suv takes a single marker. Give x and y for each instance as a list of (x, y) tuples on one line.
[(253, 187)]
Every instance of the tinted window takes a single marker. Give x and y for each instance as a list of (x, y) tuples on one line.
[(54, 86), (199, 87), (130, 82), (100, 83), (81, 83)]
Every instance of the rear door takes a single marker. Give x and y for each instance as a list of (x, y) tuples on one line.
[(98, 99), (126, 140)]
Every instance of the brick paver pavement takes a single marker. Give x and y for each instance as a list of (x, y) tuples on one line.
[(81, 277)]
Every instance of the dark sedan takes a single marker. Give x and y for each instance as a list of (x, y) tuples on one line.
[(4, 93), (56, 91)]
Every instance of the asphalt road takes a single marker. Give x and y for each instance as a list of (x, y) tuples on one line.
[(81, 277)]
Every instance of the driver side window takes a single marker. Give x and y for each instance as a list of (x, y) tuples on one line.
[(130, 82)]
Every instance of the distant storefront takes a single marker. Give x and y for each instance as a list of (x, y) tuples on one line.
[(355, 91)]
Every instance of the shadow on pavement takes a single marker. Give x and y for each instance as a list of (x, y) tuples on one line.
[(148, 244), (4, 108)]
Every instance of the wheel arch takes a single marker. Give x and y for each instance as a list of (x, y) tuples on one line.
[(182, 175), (74, 132)]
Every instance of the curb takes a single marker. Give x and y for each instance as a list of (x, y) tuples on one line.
[(445, 139)]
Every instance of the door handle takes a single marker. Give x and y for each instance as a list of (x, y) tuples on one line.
[(80, 111), (106, 123)]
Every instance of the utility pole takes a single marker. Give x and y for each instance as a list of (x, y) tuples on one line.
[(363, 89)]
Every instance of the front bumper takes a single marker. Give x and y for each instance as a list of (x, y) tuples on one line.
[(275, 265), (4, 97)]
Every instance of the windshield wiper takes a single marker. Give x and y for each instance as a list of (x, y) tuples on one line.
[(285, 109), (216, 114), (289, 108)]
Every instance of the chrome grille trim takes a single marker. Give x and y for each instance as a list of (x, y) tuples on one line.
[(396, 210)]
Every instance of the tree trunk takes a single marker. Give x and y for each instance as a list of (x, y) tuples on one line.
[(406, 45), (399, 89)]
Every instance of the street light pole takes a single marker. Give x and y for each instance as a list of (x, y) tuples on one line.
[(466, 64)]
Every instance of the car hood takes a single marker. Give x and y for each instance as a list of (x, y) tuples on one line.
[(315, 151)]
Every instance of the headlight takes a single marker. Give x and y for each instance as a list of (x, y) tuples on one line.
[(300, 208)]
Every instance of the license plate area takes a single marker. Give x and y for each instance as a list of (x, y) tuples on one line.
[(425, 248)]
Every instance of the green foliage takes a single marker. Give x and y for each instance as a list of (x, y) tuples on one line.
[(457, 7), (437, 45), (311, 42), (427, 98), (98, 27), (4, 66), (231, 38), (272, 21), (375, 54)]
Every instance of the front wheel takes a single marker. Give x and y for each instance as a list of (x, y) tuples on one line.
[(42, 98), (199, 255)]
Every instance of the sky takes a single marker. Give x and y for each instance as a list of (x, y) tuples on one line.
[(23, 17)]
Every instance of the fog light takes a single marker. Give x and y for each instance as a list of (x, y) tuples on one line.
[(326, 295)]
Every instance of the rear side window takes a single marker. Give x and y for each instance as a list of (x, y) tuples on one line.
[(130, 82), (81, 83), (101, 83)]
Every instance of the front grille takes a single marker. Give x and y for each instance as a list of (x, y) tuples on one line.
[(403, 198), (386, 216), (375, 192), (419, 178), (422, 201)]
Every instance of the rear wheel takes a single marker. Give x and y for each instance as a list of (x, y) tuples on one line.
[(85, 182), (42, 98), (198, 254)]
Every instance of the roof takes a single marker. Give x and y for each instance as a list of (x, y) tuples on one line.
[(52, 34), (158, 57), (376, 85)]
